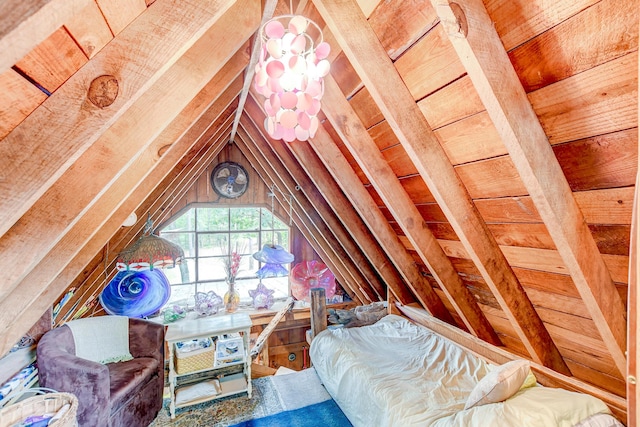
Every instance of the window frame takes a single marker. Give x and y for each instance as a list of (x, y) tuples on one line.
[(194, 234)]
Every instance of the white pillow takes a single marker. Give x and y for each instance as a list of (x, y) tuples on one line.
[(499, 384)]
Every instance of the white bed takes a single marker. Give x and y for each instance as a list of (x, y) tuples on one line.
[(395, 373)]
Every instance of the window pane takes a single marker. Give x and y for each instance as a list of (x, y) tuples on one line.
[(182, 295), (211, 268), (213, 219), (282, 238), (245, 219), (185, 240), (279, 225), (182, 273), (265, 218), (184, 222), (244, 243), (210, 244), (267, 238)]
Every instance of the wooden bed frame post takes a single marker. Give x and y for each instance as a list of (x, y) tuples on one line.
[(318, 311)]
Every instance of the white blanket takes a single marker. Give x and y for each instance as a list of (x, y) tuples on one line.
[(102, 339), (395, 373)]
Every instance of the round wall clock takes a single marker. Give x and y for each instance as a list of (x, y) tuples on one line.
[(229, 180)]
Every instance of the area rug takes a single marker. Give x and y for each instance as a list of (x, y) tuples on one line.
[(299, 399)]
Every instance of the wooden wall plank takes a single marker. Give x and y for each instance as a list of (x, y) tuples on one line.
[(492, 178), (400, 23), (47, 142), (429, 65), (89, 29), (586, 105), (25, 24), (120, 13), (470, 139), (603, 161), (517, 21), (18, 98), (451, 103), (53, 61), (600, 33)]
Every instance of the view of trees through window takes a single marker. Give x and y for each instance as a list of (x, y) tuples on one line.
[(208, 235)]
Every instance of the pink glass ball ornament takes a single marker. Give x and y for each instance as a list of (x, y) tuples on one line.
[(290, 75)]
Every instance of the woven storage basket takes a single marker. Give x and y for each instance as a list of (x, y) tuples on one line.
[(39, 405), (196, 360)]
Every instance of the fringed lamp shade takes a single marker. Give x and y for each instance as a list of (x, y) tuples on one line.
[(289, 74), (148, 253)]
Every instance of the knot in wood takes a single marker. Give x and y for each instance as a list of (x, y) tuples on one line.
[(103, 91), (454, 20)]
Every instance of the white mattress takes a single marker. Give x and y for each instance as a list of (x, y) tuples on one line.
[(394, 373)]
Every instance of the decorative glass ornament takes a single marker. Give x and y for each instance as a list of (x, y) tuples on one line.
[(231, 298), (208, 303), (262, 297)]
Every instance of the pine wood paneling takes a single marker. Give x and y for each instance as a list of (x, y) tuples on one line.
[(517, 21), (491, 178), (18, 98), (586, 105), (451, 103), (400, 23), (430, 64), (600, 162), (53, 61), (470, 139), (600, 33)]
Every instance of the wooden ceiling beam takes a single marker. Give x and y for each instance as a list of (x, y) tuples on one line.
[(24, 24), (39, 150), (362, 146), (344, 231), (474, 37), (366, 55), (170, 188), (40, 288), (315, 232), (29, 240), (343, 208)]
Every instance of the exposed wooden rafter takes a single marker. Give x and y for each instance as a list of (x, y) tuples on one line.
[(474, 37), (344, 209), (49, 140), (317, 200), (314, 232), (386, 87)]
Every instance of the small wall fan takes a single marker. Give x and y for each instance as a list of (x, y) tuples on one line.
[(229, 180)]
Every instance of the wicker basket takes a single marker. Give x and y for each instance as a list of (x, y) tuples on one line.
[(49, 403), (195, 360)]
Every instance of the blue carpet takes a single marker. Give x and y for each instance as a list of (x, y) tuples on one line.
[(326, 414)]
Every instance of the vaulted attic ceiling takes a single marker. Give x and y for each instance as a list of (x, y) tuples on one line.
[(476, 158)]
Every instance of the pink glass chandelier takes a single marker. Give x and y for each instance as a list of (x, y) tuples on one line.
[(289, 74)]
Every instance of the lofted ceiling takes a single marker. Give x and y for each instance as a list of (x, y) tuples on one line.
[(476, 159)]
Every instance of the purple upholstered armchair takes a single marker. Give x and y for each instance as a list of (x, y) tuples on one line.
[(122, 394)]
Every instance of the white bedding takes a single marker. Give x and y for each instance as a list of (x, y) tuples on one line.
[(394, 373)]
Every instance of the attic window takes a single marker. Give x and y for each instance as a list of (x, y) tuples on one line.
[(207, 235)]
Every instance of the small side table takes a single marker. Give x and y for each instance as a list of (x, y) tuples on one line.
[(210, 327)]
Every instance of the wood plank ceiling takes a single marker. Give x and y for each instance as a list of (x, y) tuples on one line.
[(477, 158)]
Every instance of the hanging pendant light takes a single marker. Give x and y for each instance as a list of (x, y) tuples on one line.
[(289, 74), (149, 252)]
